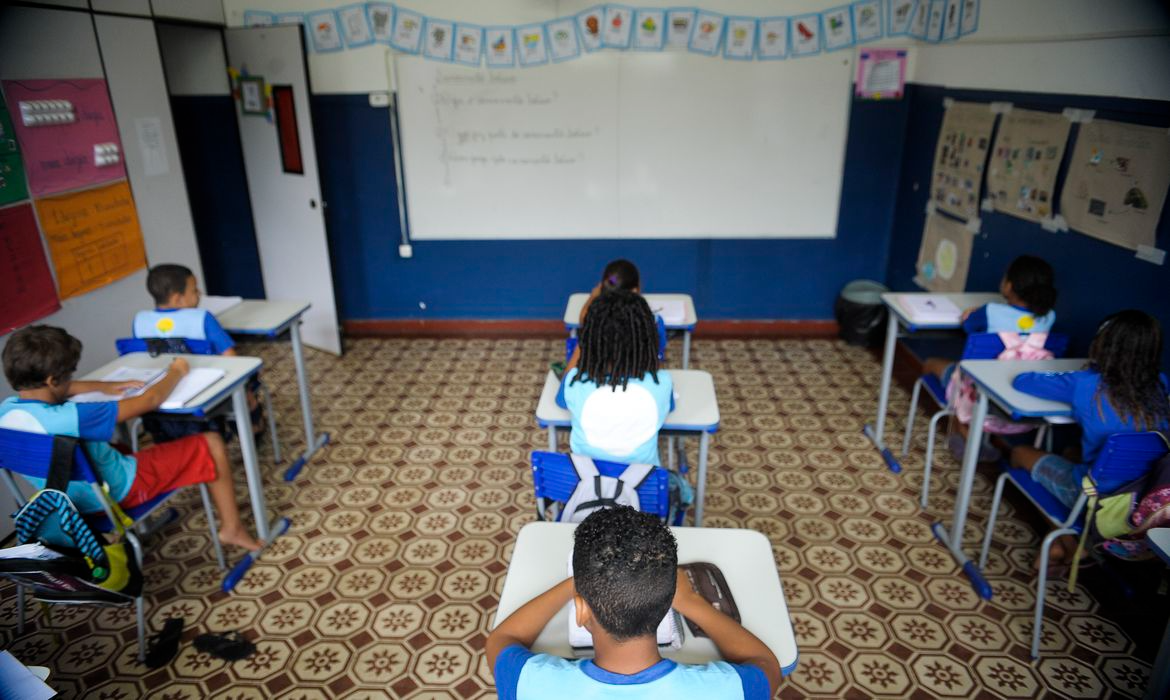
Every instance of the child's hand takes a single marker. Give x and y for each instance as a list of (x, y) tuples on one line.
[(967, 313), (119, 388), (179, 366), (685, 596)]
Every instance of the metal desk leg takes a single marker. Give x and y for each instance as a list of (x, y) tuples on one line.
[(686, 348), (701, 486), (552, 438), (313, 442), (953, 540), (876, 432)]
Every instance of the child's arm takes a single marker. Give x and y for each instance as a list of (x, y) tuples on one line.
[(975, 319), (585, 307), (523, 626), (113, 388), (1056, 386), (735, 644), (153, 397)]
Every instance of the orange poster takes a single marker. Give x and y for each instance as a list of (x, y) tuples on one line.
[(93, 236)]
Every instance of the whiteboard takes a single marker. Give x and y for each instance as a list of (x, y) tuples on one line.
[(625, 145)]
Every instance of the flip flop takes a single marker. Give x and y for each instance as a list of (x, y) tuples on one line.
[(165, 644), (230, 646)]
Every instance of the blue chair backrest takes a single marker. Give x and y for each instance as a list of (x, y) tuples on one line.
[(554, 479), (30, 454), (163, 346), (1126, 457), (988, 346)]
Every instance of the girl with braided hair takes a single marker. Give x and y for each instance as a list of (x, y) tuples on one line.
[(1121, 391), (617, 395)]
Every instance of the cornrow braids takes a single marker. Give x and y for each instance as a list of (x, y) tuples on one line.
[(619, 341), (1126, 352)]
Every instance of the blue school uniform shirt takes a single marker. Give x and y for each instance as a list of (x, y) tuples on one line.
[(522, 675), (1005, 318), (192, 324), (1097, 421), (618, 425), (92, 422)]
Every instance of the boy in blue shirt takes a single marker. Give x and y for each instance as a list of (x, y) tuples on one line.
[(626, 577), (39, 362)]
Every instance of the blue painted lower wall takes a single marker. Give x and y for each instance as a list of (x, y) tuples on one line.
[(1094, 278), (729, 279)]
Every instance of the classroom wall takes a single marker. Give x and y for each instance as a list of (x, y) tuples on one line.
[(49, 43)]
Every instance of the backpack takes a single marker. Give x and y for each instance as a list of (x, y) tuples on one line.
[(1120, 523), (595, 491), (960, 392)]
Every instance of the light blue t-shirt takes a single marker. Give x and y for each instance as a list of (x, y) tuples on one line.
[(522, 675), (615, 424), (92, 422), (1005, 318), (191, 324)]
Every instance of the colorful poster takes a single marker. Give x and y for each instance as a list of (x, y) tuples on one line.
[(1021, 176), (70, 146), (773, 39), (355, 26), (901, 13), (589, 25), (562, 40), (1116, 183), (867, 20), (468, 44), (619, 22), (407, 33), (12, 187), (93, 236), (945, 255), (499, 49), (438, 39), (838, 28), (806, 35), (324, 31), (960, 156), (679, 24), (741, 38), (531, 45), (881, 74), (649, 29), (381, 21), (708, 33), (26, 287)]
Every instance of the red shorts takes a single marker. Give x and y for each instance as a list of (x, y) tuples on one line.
[(169, 466)]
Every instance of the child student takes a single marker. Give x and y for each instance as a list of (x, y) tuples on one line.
[(39, 362), (1122, 391), (616, 394), (625, 579), (620, 274)]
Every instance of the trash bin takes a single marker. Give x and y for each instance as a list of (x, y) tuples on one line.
[(861, 316)]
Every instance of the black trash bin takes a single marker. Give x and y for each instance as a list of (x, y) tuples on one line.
[(861, 316)]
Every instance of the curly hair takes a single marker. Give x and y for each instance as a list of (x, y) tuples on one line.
[(624, 565), (35, 353), (1033, 282), (619, 341), (1126, 351)]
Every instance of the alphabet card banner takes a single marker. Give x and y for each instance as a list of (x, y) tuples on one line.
[(94, 237), (1021, 178), (959, 157), (26, 287), (67, 133), (1117, 182), (945, 255)]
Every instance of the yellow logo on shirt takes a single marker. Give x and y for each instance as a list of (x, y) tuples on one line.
[(1026, 322), (165, 325)]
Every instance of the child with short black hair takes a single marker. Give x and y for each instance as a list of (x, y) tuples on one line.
[(626, 578), (39, 362)]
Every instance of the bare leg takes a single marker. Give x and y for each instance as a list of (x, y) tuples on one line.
[(1064, 548), (223, 495), (936, 366), (1026, 456)]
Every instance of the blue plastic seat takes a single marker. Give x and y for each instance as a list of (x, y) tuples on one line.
[(1124, 458), (554, 480)]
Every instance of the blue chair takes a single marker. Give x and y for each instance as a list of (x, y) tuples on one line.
[(554, 479), (30, 455), (979, 346), (187, 346), (1124, 458)]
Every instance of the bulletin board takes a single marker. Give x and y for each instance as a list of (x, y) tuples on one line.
[(1021, 178), (959, 158)]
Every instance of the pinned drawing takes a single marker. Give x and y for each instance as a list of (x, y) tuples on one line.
[(438, 40), (1117, 181), (1021, 177), (649, 29), (960, 157), (589, 27), (944, 256), (708, 33)]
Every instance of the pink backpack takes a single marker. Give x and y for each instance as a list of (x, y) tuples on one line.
[(961, 390)]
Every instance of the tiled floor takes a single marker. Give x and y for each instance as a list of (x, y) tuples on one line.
[(402, 531)]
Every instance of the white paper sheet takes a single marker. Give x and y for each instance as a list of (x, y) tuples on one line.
[(121, 374), (192, 385), (18, 683)]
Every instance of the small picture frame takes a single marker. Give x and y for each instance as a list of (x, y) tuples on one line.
[(252, 99)]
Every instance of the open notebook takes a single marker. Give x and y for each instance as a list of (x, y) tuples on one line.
[(188, 387), (669, 630), (930, 308), (672, 311)]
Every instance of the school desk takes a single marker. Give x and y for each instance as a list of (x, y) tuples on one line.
[(696, 411), (270, 319), (687, 325), (993, 383), (900, 315), (540, 560), (1159, 683)]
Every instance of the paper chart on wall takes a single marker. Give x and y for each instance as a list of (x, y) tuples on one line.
[(93, 236), (1021, 176), (959, 158), (944, 256), (72, 139), (26, 287), (1117, 181)]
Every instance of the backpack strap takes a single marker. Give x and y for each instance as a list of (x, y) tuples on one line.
[(636, 474), (587, 471), (61, 463)]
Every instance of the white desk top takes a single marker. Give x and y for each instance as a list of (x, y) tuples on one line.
[(261, 317), (1159, 542), (237, 370), (695, 405), (964, 300), (577, 302), (995, 377), (541, 555)]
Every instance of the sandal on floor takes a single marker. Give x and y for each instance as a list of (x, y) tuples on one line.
[(230, 646), (165, 644)]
